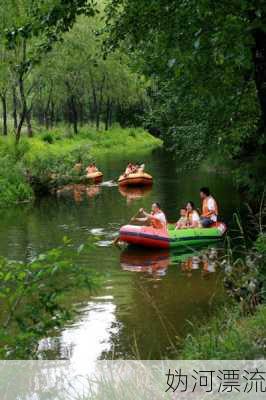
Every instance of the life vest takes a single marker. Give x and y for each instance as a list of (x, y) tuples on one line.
[(190, 216), (206, 212)]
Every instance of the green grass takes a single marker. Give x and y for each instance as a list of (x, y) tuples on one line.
[(57, 151), (228, 337)]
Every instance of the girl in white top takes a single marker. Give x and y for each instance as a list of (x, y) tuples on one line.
[(192, 216)]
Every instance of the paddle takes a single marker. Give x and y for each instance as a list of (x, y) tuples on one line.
[(116, 240)]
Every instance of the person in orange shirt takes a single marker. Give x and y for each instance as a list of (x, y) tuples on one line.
[(156, 218), (209, 208)]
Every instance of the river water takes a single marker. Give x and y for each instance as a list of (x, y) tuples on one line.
[(149, 299)]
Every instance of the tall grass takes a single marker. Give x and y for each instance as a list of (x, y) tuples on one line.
[(237, 331), (228, 336)]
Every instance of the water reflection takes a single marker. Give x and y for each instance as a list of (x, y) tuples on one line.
[(149, 261), (134, 193), (78, 191), (85, 340), (156, 262)]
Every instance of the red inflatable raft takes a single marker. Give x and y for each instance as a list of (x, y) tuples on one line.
[(170, 237)]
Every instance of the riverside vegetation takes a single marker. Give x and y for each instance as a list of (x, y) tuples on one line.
[(238, 329), (36, 301), (26, 168)]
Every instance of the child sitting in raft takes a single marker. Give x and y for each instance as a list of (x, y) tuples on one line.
[(183, 220)]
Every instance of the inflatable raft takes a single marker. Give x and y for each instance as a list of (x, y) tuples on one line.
[(95, 177), (137, 179), (148, 236)]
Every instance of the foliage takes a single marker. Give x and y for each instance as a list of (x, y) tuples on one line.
[(260, 244), (77, 84), (228, 337), (205, 63), (29, 30), (53, 68), (31, 165), (238, 330), (13, 185), (32, 297)]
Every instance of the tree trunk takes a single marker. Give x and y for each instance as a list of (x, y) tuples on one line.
[(98, 118), (15, 106), (111, 115), (72, 113), (47, 113), (259, 59), (28, 122), (99, 111), (108, 112), (4, 107), (52, 114), (24, 108), (95, 106)]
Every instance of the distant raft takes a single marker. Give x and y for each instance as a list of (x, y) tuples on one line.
[(170, 237), (95, 177), (136, 179)]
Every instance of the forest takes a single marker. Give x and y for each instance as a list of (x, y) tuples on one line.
[(52, 74)]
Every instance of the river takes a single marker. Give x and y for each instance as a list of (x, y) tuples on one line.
[(148, 300)]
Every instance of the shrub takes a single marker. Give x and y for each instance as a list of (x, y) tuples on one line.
[(13, 183), (48, 138)]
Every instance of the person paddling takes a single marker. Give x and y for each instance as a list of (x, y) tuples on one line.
[(209, 208), (156, 218)]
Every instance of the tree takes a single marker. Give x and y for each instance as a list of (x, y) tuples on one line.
[(31, 28), (81, 84), (207, 61), (3, 88)]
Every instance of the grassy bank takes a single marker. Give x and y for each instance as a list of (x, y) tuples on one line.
[(229, 336), (28, 167), (238, 330)]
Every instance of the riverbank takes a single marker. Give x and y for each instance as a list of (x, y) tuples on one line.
[(238, 329), (26, 169)]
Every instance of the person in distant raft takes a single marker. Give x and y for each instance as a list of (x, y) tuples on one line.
[(156, 218), (209, 208), (91, 169)]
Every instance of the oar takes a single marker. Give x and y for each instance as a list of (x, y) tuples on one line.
[(116, 240)]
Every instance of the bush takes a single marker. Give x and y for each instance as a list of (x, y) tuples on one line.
[(228, 337), (48, 138), (13, 183), (15, 152), (260, 244)]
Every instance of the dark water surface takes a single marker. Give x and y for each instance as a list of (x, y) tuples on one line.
[(149, 299)]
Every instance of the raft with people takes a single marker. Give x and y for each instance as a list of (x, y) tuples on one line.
[(170, 237), (153, 230), (93, 174), (135, 175), (136, 179)]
